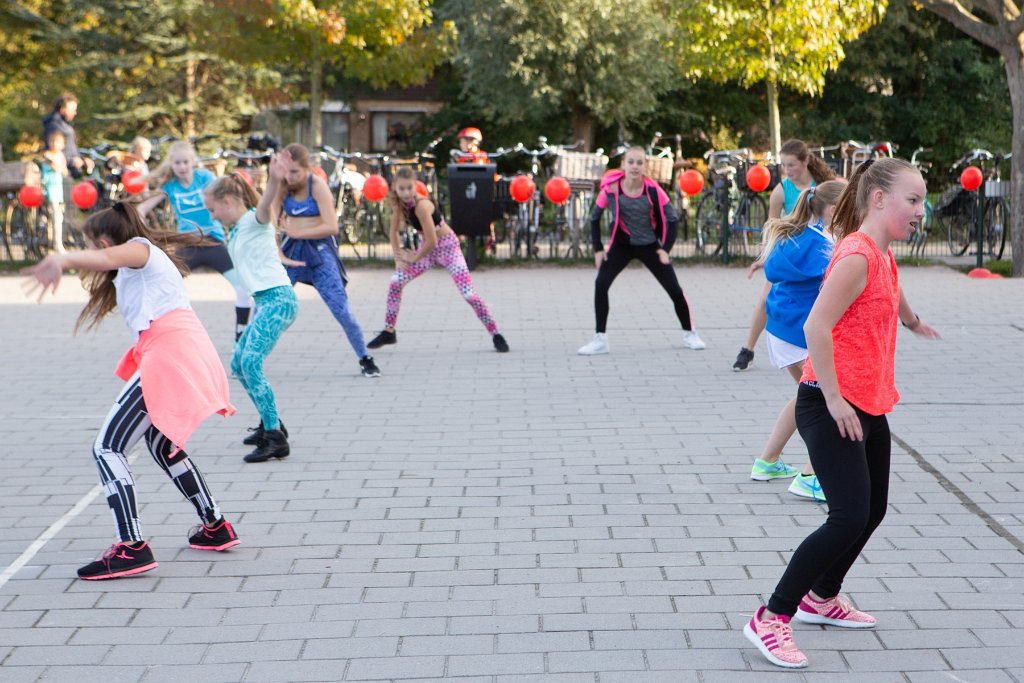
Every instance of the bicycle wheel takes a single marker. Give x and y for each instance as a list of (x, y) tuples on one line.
[(958, 228), (996, 227), (745, 233), (708, 224)]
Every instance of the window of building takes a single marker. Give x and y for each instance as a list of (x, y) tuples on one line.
[(391, 130)]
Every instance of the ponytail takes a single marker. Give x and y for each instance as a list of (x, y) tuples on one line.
[(853, 202), (810, 205), (234, 185)]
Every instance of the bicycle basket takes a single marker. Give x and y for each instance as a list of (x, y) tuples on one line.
[(15, 174), (503, 203), (580, 165), (659, 169)]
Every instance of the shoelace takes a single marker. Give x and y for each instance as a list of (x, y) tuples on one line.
[(783, 634)]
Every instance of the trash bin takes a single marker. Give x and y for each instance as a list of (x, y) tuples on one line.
[(471, 192)]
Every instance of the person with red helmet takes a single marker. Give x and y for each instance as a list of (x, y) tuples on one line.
[(469, 147)]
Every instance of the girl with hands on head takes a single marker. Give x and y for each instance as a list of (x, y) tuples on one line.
[(846, 389), (304, 209)]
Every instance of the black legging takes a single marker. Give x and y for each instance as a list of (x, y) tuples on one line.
[(854, 476), (619, 257)]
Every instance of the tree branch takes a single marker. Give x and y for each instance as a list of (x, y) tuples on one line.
[(956, 14)]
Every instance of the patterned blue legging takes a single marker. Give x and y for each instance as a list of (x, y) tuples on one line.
[(328, 281), (276, 309)]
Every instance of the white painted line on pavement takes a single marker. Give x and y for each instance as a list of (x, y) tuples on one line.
[(51, 531)]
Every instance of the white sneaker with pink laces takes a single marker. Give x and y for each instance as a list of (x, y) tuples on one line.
[(835, 611), (774, 638)]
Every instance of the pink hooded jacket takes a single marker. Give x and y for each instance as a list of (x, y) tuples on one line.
[(664, 223)]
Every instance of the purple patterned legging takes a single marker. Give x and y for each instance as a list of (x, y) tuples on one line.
[(447, 253)]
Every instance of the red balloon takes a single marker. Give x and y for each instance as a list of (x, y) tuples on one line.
[(31, 196), (557, 190), (375, 188), (320, 172), (971, 178), (522, 188), (758, 178), (421, 189), (691, 182), (84, 195), (133, 181)]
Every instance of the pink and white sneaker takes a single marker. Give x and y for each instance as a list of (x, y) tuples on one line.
[(774, 638), (835, 611)]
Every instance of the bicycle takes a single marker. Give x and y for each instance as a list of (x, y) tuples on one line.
[(583, 170), (918, 240), (736, 231), (957, 210), (24, 227)]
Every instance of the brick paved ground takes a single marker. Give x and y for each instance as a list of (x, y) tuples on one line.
[(536, 516)]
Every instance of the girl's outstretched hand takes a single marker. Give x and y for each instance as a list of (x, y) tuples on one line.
[(45, 276), (279, 165), (923, 329)]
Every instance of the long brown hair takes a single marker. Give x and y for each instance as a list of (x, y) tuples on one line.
[(811, 204), (300, 155), (120, 224), (402, 173), (853, 203), (817, 167), (234, 185)]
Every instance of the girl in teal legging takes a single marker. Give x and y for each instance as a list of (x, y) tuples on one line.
[(252, 242)]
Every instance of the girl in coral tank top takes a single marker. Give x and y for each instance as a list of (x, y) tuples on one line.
[(846, 388)]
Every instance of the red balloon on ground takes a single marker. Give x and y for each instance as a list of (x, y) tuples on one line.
[(375, 188), (133, 181), (557, 190), (971, 178), (84, 195), (31, 196), (320, 172), (522, 188), (984, 274), (691, 182), (421, 189), (758, 178)]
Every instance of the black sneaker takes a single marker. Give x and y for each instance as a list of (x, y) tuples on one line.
[(275, 445), (256, 438), (500, 345), (120, 560), (382, 339), (220, 536), (370, 368), (743, 359)]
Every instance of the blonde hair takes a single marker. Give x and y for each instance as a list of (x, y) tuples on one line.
[(234, 185), (163, 173), (853, 203), (810, 205)]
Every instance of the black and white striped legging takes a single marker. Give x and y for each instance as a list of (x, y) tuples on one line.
[(126, 423)]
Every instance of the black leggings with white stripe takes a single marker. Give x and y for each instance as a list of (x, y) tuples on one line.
[(126, 423)]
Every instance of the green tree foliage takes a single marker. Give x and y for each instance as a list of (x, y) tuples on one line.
[(787, 43), (381, 42), (590, 58), (138, 66)]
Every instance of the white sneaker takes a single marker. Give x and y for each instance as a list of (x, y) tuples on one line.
[(692, 340), (597, 345)]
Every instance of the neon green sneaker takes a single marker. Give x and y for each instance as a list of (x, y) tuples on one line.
[(766, 471), (807, 486)]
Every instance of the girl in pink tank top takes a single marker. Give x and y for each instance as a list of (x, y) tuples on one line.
[(846, 389)]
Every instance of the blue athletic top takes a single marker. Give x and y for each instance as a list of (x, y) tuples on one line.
[(305, 207), (188, 205), (790, 195), (796, 267)]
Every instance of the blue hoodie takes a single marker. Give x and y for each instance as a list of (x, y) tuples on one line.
[(796, 268)]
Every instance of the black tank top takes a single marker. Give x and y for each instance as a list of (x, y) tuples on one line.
[(414, 220)]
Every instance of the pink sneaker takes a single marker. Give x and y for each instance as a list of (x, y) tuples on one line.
[(835, 611), (774, 638)]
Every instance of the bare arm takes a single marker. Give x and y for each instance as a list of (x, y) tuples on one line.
[(150, 203), (47, 273), (324, 225), (275, 182), (846, 281), (776, 202), (913, 322)]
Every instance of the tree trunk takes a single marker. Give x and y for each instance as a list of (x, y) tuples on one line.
[(188, 123), (1015, 78), (583, 128), (774, 123), (316, 78)]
